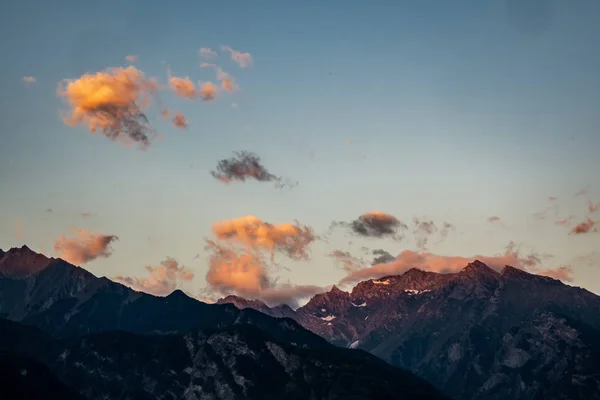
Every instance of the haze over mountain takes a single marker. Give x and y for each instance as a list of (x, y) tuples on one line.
[(103, 340)]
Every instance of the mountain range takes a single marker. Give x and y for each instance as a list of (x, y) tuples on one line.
[(80, 336), (477, 334)]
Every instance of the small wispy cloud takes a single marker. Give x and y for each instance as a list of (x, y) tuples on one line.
[(244, 60), (29, 80), (206, 52)]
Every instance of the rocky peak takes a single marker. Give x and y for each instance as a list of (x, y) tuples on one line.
[(242, 303), (512, 272), (478, 269), (21, 262)]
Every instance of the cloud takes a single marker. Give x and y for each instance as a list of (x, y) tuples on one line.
[(29, 80), (85, 214), (183, 87), (227, 81), (593, 207), (234, 105), (242, 59), (246, 274), (111, 102), (552, 198), (245, 165), (208, 65), (239, 261), (382, 257), (206, 52), (375, 224), (445, 264), (84, 247), (493, 218), (49, 210), (586, 226), (208, 90), (564, 273), (163, 279), (291, 240), (581, 192), (131, 58), (565, 221), (348, 262), (424, 229), (179, 121)]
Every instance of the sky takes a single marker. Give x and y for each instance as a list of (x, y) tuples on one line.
[(471, 127)]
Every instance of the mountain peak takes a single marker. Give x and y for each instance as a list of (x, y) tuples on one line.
[(21, 262), (512, 272), (478, 270)]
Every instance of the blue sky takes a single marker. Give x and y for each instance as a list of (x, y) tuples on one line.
[(457, 111)]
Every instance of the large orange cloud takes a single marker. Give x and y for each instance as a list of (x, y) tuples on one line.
[(111, 102), (163, 279), (450, 264), (84, 247), (290, 239), (246, 274), (239, 263)]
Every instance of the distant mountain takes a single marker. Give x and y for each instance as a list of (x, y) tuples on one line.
[(104, 340), (65, 300), (477, 334)]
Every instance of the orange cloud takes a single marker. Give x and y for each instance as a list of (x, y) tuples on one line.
[(242, 59), (208, 90), (493, 218), (227, 81), (246, 274), (179, 121), (290, 239), (444, 264), (206, 52), (163, 279), (29, 80), (593, 207), (131, 58), (586, 226), (183, 87), (84, 247), (564, 273), (111, 102)]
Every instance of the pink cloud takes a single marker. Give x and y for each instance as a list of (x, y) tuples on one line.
[(242, 59)]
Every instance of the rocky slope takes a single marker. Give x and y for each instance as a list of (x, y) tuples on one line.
[(239, 362), (476, 334)]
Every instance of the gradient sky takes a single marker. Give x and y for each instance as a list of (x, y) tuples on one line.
[(457, 111)]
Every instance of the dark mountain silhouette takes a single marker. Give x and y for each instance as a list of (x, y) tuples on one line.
[(25, 379), (476, 334), (104, 340)]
